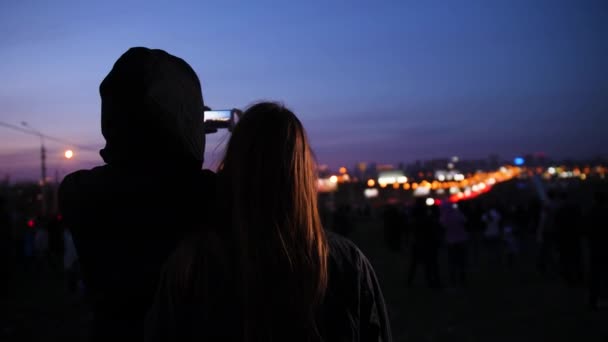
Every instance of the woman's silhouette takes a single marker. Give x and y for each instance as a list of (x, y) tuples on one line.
[(268, 271)]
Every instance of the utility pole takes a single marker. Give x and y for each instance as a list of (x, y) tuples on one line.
[(43, 174), (55, 209), (43, 206)]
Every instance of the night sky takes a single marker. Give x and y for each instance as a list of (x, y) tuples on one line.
[(372, 81)]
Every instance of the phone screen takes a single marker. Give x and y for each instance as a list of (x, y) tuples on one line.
[(218, 115)]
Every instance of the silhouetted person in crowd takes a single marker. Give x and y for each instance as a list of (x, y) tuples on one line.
[(598, 245), (70, 263), (526, 223), (27, 245), (268, 271), (426, 235), (127, 216), (342, 222), (41, 247), (56, 245), (493, 236), (475, 226), (456, 239), (569, 231), (510, 241), (546, 233), (394, 223), (6, 242)]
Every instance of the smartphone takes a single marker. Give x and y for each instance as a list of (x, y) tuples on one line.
[(222, 118)]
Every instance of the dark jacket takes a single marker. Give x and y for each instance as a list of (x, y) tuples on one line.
[(353, 308), (127, 216)]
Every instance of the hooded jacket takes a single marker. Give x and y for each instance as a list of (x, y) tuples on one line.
[(127, 216)]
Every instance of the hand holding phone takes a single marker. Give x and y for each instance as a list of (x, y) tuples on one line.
[(222, 118)]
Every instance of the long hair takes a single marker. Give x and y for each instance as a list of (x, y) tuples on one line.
[(268, 178)]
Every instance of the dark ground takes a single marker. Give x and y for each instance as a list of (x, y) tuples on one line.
[(498, 305)]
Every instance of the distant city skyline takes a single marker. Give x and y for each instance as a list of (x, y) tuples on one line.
[(27, 162), (391, 81)]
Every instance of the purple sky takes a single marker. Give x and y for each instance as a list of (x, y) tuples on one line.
[(372, 81)]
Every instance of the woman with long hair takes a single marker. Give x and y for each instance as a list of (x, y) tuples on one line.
[(267, 271)]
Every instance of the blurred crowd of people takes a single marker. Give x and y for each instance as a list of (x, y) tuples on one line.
[(38, 245), (567, 237)]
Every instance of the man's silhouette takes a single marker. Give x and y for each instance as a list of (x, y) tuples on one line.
[(598, 245), (127, 216)]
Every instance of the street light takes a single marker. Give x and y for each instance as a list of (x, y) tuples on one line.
[(68, 154)]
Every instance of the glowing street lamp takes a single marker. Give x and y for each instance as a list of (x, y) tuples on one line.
[(69, 154)]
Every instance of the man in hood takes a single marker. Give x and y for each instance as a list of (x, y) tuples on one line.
[(128, 215)]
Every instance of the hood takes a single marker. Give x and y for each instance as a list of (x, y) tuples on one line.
[(152, 111)]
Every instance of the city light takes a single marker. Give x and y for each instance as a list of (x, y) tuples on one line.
[(430, 201), (387, 180), (69, 154), (390, 177), (422, 191), (342, 170), (519, 161), (458, 186), (370, 193), (326, 185)]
